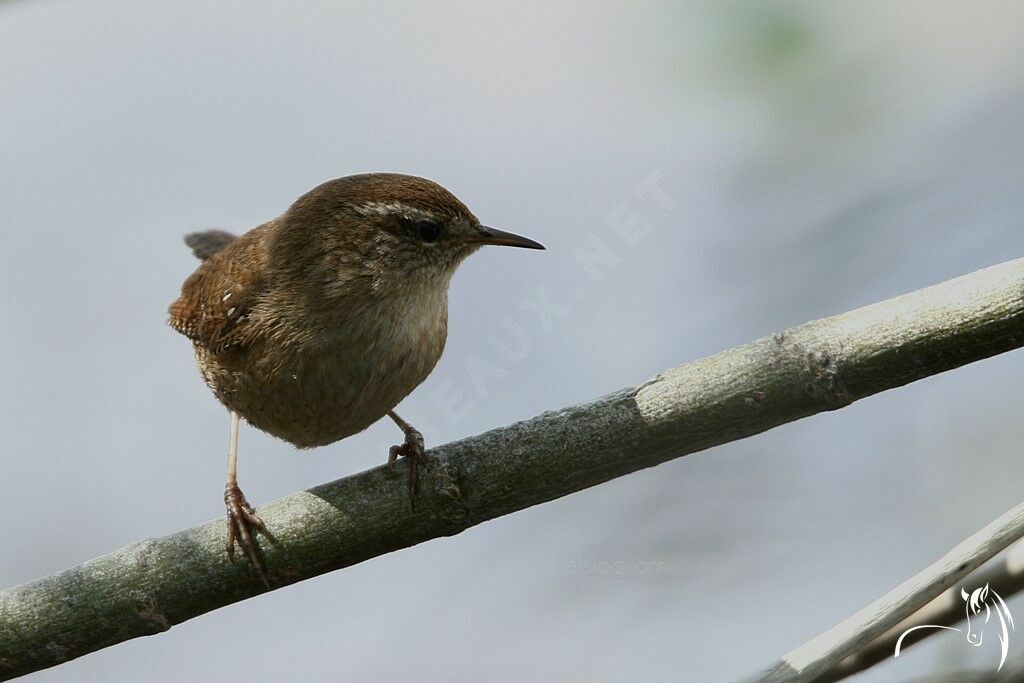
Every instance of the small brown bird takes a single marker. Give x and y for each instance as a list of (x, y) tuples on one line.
[(315, 325)]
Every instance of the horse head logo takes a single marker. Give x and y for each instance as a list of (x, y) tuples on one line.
[(980, 604)]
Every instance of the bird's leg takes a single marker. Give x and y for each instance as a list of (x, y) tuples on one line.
[(413, 451), (243, 524)]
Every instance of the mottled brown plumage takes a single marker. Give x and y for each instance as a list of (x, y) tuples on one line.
[(316, 324)]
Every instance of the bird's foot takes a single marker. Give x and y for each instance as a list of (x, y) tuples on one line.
[(243, 527), (413, 451)]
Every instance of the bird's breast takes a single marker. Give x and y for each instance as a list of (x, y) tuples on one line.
[(315, 385)]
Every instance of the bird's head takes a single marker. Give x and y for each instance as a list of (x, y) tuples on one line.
[(387, 232)]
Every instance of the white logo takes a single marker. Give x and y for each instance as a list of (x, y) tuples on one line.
[(978, 600)]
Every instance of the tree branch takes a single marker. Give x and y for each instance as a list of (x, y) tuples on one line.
[(148, 587)]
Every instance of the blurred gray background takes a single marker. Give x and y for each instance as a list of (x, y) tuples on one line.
[(817, 157)]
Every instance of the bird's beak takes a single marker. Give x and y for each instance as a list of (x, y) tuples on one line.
[(488, 235)]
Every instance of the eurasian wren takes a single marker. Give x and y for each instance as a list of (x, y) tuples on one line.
[(315, 325)]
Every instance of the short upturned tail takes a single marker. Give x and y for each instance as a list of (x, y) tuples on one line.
[(206, 244)]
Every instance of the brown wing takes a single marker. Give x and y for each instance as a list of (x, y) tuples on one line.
[(217, 299)]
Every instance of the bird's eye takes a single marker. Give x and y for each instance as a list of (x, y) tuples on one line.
[(428, 230)]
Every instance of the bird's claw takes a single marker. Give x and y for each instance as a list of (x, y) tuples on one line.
[(243, 527), (413, 451)]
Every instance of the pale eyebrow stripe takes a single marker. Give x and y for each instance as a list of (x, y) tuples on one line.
[(391, 209)]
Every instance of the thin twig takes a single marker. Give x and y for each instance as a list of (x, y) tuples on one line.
[(1004, 575), (814, 659)]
